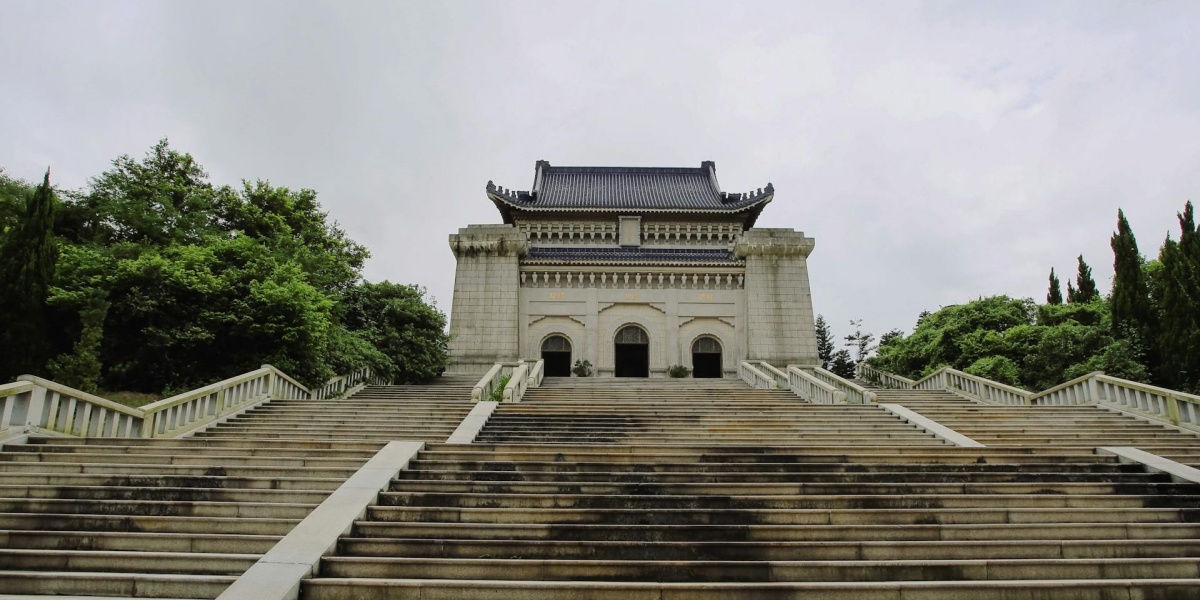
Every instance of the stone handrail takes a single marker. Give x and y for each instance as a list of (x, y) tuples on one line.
[(883, 378), (974, 387), (807, 386), (340, 386), (487, 384), (855, 394), (781, 378), (514, 391), (33, 404), (1153, 402), (37, 404), (755, 377), (537, 373)]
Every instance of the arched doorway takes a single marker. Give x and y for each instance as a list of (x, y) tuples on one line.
[(632, 352), (556, 351), (706, 358)]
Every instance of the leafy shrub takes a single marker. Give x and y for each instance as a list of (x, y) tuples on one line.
[(498, 392), (997, 368), (582, 368), (678, 371)]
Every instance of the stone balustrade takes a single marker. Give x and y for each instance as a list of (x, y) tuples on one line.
[(1156, 403), (514, 390), (522, 375), (807, 386), (1151, 402), (883, 379), (488, 384), (974, 387), (537, 373), (36, 404), (855, 394), (33, 404), (755, 377)]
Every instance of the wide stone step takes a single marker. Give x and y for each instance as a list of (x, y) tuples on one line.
[(95, 524), (177, 470), (795, 476), (865, 470), (725, 489), (814, 516), (180, 494), (350, 464), (792, 533), (127, 585), (771, 550), (759, 571), (139, 541), (242, 443), (168, 481), (194, 449), (495, 500), (183, 563), (188, 508)]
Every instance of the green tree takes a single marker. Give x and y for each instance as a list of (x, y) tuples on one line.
[(163, 199), (996, 368), (1178, 344), (1055, 296), (1085, 290), (27, 256), (1130, 295), (81, 369), (842, 364), (863, 343), (825, 344), (407, 329)]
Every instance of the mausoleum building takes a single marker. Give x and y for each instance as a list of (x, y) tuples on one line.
[(634, 270)]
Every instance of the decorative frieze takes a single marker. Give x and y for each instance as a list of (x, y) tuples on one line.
[(690, 233), (568, 232), (648, 279)]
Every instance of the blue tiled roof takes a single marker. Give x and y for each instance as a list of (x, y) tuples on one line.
[(628, 189), (626, 254)]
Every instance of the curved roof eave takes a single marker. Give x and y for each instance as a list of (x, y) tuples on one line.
[(506, 207)]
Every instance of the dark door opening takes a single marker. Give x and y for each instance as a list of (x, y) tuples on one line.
[(632, 353), (556, 351), (706, 358)]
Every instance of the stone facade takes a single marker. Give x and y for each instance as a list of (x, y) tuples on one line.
[(678, 259)]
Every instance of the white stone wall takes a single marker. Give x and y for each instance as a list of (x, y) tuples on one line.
[(590, 318), (779, 311), (484, 316)]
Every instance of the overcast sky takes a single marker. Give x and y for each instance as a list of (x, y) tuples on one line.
[(936, 151)]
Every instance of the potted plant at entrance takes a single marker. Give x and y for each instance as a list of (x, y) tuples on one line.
[(678, 371), (582, 368)]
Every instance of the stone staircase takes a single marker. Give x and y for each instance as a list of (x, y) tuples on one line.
[(617, 489), (688, 411), (687, 489), (183, 518), (1046, 426)]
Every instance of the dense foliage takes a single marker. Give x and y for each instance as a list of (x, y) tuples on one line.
[(164, 281), (1147, 329)]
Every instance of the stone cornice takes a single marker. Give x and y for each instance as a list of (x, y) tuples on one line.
[(773, 242), (492, 240)]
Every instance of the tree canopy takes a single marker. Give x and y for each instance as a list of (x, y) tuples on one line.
[(1147, 329), (165, 281)]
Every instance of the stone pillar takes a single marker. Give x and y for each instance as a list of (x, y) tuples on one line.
[(484, 317), (779, 315)]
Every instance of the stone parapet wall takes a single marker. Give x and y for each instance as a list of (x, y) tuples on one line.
[(779, 313), (484, 315)]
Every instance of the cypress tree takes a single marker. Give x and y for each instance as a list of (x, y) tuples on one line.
[(1179, 305), (1085, 287), (1130, 293), (825, 343), (1055, 295), (27, 256)]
